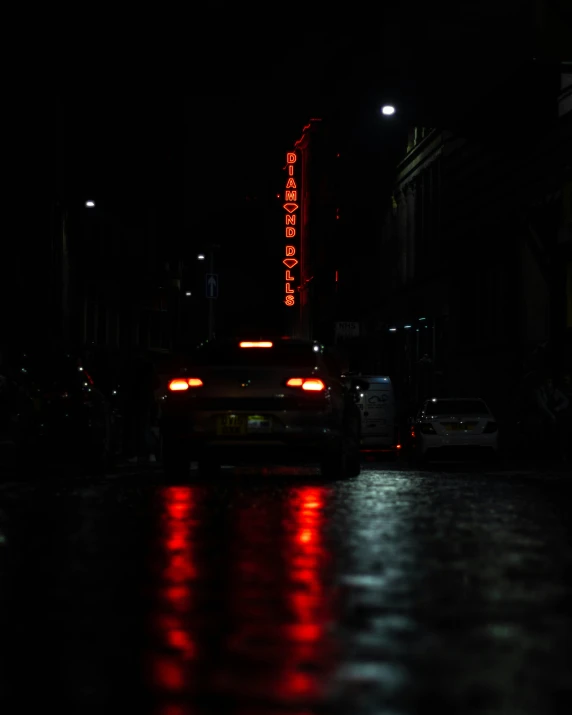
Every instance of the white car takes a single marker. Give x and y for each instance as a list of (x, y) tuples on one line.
[(454, 426)]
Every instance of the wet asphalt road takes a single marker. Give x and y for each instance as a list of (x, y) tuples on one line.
[(400, 591)]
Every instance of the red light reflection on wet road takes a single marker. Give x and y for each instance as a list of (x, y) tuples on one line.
[(279, 647), (309, 600), (175, 649), (260, 630)]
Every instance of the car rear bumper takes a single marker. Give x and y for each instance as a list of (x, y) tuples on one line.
[(302, 431), (444, 444)]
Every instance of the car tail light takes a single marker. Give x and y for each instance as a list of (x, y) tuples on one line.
[(180, 384), (313, 385), (261, 344), (427, 428), (490, 428), (310, 384)]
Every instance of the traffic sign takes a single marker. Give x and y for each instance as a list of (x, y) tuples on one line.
[(211, 285)]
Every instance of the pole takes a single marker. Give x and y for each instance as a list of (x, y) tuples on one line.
[(434, 363), (65, 317), (210, 299), (417, 370)]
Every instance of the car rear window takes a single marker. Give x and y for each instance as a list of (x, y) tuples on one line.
[(458, 407), (277, 356)]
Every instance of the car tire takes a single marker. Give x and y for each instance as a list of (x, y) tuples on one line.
[(334, 462), (394, 455), (352, 445), (353, 464), (422, 461)]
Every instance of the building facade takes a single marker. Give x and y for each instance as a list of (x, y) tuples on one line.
[(477, 254), (333, 221), (310, 233)]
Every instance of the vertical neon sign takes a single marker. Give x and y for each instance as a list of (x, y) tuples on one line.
[(291, 228)]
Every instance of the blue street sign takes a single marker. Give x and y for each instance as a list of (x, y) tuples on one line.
[(211, 285)]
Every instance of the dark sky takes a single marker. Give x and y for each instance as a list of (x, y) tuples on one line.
[(194, 114), (244, 87)]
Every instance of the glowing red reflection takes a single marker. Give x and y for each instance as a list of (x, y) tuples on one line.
[(277, 601), (308, 599), (176, 709), (305, 536), (168, 673), (175, 647)]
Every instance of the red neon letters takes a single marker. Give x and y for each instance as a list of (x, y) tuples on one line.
[(291, 208)]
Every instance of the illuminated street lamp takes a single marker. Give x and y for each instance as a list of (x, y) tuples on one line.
[(90, 204), (201, 257), (388, 110)]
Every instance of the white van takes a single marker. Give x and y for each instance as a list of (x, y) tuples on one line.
[(378, 414)]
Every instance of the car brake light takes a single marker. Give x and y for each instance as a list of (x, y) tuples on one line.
[(178, 385), (306, 383), (263, 344), (181, 384), (313, 385)]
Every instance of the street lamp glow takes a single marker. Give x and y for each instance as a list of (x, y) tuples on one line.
[(201, 257), (388, 109), (188, 293), (90, 204)]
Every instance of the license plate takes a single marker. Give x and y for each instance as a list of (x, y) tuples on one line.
[(237, 425), (234, 425), (458, 428), (257, 424)]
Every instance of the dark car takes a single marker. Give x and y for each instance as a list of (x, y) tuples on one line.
[(273, 400), (60, 410)]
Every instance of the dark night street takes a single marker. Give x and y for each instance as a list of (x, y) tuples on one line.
[(286, 361), (399, 591)]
